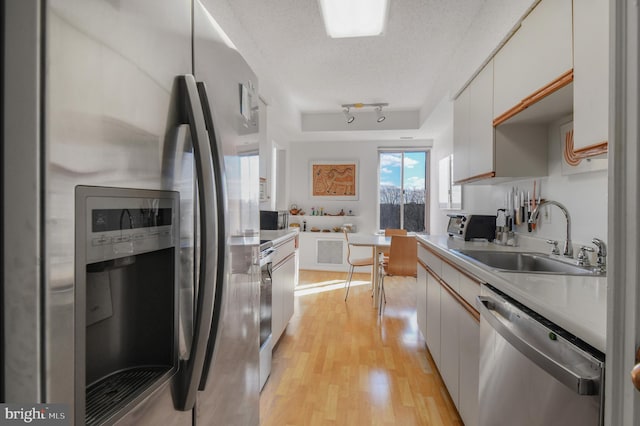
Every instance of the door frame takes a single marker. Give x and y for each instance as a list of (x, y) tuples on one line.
[(622, 401)]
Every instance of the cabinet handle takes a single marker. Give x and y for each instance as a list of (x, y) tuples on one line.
[(635, 372)]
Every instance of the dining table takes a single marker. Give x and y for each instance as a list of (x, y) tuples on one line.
[(379, 244)]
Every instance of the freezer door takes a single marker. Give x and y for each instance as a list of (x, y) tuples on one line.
[(93, 102), (230, 386)]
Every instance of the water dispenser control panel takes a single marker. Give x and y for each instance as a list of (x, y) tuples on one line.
[(124, 224)]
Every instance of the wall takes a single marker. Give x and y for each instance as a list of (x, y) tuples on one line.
[(442, 147), (366, 153), (273, 157), (584, 195)]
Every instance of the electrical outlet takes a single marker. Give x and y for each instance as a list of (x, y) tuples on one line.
[(546, 215)]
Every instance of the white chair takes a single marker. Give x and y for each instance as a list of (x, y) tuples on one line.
[(353, 263)]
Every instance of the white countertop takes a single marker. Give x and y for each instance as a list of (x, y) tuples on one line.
[(278, 236), (576, 303)]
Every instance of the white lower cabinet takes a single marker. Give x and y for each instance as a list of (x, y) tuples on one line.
[(469, 333), (449, 344), (421, 300), (451, 329), (433, 318), (284, 277)]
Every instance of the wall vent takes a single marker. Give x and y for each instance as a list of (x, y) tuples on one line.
[(329, 252)]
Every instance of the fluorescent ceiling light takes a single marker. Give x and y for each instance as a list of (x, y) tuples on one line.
[(354, 18)]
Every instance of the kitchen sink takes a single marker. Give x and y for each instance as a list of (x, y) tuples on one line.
[(527, 262)]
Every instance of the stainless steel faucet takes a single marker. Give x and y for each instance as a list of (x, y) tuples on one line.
[(601, 262), (568, 247)]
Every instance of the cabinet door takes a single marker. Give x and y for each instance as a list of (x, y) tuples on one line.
[(433, 318), (480, 147), (421, 300), (473, 144), (283, 287), (591, 72), (469, 367), (277, 302), (461, 136), (449, 344), (289, 271), (538, 53), (430, 259)]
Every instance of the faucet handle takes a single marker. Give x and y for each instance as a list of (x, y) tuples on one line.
[(555, 249), (602, 247), (602, 254), (583, 257)]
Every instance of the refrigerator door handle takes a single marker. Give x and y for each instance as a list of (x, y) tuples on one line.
[(218, 165), (191, 368)]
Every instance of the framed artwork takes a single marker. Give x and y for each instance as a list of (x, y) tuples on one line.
[(572, 165), (334, 180)]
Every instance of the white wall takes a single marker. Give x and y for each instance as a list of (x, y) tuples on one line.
[(442, 147), (584, 195), (366, 153), (273, 158)]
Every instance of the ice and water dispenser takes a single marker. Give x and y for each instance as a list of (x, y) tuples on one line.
[(127, 244)]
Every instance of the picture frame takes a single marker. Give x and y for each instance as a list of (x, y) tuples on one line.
[(334, 179)]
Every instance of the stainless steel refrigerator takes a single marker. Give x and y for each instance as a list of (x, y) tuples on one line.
[(129, 193)]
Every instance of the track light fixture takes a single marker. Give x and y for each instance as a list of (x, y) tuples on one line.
[(348, 116), (378, 108)]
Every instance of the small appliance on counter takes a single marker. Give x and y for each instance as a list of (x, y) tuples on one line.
[(472, 226), (504, 229), (274, 219)]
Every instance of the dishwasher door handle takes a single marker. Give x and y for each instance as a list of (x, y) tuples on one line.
[(575, 381)]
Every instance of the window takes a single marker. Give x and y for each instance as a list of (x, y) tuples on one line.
[(402, 190), (449, 195)]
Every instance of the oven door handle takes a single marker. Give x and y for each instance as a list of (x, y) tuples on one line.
[(563, 373)]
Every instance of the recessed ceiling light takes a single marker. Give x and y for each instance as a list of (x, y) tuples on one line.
[(354, 18)]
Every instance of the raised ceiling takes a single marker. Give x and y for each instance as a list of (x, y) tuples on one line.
[(430, 48)]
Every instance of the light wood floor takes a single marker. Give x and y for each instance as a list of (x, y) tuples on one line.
[(340, 364)]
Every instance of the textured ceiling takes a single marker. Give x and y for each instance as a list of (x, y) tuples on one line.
[(429, 50), (321, 73)]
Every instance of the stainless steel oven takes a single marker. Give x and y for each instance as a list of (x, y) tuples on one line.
[(266, 253), (532, 372)]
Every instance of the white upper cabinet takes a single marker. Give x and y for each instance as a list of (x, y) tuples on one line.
[(591, 72), (473, 129), (481, 144), (461, 136), (481, 151), (537, 54)]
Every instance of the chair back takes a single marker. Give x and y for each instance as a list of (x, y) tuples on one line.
[(403, 256), (346, 237), (390, 232)]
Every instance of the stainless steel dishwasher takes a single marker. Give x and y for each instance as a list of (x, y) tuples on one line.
[(532, 372)]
